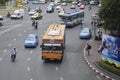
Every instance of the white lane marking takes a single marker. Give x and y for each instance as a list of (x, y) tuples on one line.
[(24, 31), (31, 79), (9, 45), (1, 59), (19, 35), (9, 29), (5, 51), (98, 77), (56, 68), (14, 39), (61, 78), (31, 51), (28, 59), (28, 68)]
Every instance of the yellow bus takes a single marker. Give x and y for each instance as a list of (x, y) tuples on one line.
[(53, 43)]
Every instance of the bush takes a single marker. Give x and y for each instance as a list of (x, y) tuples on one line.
[(109, 67)]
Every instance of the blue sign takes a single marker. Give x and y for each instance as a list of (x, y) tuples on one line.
[(111, 47)]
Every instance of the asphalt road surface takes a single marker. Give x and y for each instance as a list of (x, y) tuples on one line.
[(28, 64)]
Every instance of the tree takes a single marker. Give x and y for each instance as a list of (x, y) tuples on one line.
[(109, 12), (2, 2)]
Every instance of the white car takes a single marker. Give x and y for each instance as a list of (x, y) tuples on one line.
[(58, 7), (52, 4), (99, 5), (32, 12), (74, 2), (92, 2), (57, 3), (18, 14), (64, 4), (1, 17)]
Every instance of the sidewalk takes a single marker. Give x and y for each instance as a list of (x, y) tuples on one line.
[(9, 8), (93, 57)]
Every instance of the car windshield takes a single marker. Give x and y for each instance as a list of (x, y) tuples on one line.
[(85, 31), (30, 39), (15, 13), (36, 14)]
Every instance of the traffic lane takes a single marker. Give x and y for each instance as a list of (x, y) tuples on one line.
[(72, 64), (24, 26), (14, 70), (74, 49)]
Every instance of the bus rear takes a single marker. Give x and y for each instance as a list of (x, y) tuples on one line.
[(53, 43)]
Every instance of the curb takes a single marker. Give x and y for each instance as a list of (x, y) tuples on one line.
[(95, 70)]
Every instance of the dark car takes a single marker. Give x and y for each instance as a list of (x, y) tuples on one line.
[(50, 9)]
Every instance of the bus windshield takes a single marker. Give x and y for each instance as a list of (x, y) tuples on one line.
[(52, 48)]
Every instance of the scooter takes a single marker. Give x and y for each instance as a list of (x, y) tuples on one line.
[(13, 56)]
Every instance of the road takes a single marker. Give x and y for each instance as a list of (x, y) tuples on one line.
[(28, 64)]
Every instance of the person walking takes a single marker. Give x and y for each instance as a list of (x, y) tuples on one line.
[(88, 47), (29, 9), (89, 8)]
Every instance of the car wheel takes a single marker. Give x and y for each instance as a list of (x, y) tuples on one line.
[(21, 17)]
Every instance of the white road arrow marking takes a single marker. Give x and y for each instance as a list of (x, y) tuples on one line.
[(61, 78), (28, 59), (56, 68), (9, 45), (1, 59), (5, 51), (20, 35), (28, 68)]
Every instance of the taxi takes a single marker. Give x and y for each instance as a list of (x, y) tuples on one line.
[(36, 16), (72, 7), (61, 13)]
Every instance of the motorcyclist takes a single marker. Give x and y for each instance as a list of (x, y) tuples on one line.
[(13, 55), (89, 8), (8, 14), (36, 25), (28, 9), (33, 23)]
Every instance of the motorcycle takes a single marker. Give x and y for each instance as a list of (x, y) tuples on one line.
[(36, 25), (13, 56)]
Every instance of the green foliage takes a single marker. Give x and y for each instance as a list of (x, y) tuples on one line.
[(3, 1), (109, 67), (109, 12)]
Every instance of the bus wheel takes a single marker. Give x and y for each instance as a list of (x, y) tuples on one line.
[(61, 59)]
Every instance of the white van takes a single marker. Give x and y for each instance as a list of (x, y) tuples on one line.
[(18, 14)]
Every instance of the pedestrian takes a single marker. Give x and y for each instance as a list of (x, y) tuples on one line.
[(88, 47), (28, 9), (89, 8)]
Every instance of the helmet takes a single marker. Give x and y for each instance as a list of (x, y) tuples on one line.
[(14, 48)]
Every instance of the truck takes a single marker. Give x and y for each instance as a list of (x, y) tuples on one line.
[(53, 43)]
